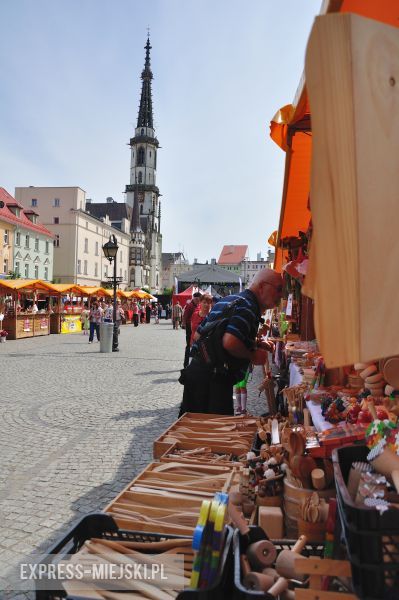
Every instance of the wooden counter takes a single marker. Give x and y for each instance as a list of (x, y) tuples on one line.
[(26, 325)]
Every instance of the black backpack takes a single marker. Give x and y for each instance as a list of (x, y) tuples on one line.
[(209, 346)]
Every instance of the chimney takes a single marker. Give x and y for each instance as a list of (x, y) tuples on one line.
[(88, 200), (195, 261), (259, 256), (213, 261), (110, 200)]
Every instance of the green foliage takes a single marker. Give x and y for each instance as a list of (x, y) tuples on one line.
[(12, 275)]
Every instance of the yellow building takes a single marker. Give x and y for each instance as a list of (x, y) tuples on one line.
[(6, 245)]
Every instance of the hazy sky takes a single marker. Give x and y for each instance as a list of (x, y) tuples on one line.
[(70, 88)]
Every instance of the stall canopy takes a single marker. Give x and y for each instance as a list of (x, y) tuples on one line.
[(96, 291), (67, 288), (185, 296), (26, 284), (290, 128)]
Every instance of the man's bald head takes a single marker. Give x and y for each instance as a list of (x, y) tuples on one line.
[(267, 285)]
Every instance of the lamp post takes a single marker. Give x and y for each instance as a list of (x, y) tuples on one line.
[(110, 250)]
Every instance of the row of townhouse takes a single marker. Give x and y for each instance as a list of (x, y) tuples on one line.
[(26, 246), (78, 235), (66, 245)]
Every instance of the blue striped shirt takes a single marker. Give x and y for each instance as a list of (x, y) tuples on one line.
[(243, 323)]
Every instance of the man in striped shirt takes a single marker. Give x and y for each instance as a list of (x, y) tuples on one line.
[(210, 392)]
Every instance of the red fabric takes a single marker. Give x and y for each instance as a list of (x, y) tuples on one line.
[(189, 311), (183, 296), (196, 320)]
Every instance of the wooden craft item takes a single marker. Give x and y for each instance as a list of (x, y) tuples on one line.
[(296, 443), (391, 371), (194, 469), (258, 582), (306, 465), (270, 518), (147, 590), (285, 563), (278, 587), (261, 554), (328, 471), (152, 547), (318, 479), (275, 432), (352, 77)]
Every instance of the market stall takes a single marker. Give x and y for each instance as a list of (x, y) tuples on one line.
[(26, 307), (275, 506), (67, 301)]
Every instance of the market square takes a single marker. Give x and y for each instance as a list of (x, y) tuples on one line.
[(199, 356)]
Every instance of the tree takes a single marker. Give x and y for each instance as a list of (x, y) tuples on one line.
[(12, 275)]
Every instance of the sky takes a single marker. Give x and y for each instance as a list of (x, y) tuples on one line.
[(70, 89)]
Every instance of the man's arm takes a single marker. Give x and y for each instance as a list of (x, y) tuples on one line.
[(236, 348)]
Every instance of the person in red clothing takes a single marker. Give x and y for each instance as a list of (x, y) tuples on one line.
[(204, 308), (189, 310)]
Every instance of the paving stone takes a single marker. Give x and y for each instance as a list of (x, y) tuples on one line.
[(77, 425)]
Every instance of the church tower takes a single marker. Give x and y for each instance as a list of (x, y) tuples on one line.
[(142, 193)]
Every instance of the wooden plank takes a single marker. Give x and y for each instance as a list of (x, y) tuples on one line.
[(327, 566), (352, 77), (301, 594)]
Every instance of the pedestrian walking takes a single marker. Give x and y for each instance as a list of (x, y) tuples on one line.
[(119, 315), (135, 311), (95, 318), (142, 313), (108, 312), (84, 319), (177, 314), (167, 312), (148, 312), (199, 314), (189, 310)]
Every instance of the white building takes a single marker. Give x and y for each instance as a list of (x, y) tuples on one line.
[(254, 266), (78, 235)]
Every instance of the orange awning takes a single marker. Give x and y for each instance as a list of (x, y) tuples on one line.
[(26, 285), (90, 290)]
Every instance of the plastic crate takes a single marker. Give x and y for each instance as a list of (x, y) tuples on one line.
[(242, 593), (372, 539), (100, 525)]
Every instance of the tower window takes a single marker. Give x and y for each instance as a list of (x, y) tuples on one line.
[(150, 153), (140, 179), (142, 132), (141, 209), (141, 156)]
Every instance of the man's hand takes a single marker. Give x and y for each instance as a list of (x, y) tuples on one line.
[(266, 345), (259, 356)]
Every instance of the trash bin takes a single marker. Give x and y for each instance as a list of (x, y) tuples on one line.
[(106, 335)]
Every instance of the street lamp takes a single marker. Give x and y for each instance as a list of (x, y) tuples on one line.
[(110, 250)]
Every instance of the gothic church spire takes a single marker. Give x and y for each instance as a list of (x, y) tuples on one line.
[(145, 118)]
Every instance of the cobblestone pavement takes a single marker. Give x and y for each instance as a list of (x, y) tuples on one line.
[(78, 425)]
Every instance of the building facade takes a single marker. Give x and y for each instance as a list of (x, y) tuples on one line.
[(173, 265), (254, 266), (235, 259), (27, 245), (142, 191), (78, 235)]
